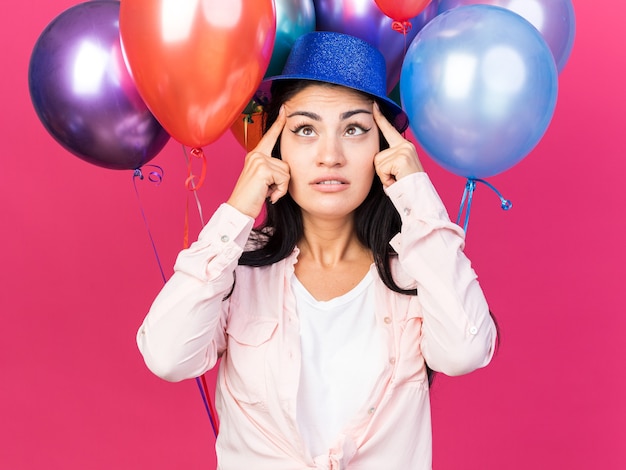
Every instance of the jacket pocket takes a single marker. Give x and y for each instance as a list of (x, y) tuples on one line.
[(247, 370), (251, 330)]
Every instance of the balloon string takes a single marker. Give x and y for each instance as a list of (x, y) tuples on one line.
[(402, 27), (191, 186), (214, 419), (246, 121), (204, 393), (155, 176), (190, 181), (186, 224), (404, 51), (466, 200)]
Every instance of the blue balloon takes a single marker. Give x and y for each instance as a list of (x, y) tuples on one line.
[(479, 84)]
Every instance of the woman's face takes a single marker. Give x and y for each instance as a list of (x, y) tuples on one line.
[(329, 142)]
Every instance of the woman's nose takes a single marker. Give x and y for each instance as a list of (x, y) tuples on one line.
[(330, 152)]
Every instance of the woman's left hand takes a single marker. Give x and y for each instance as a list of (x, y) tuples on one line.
[(400, 159)]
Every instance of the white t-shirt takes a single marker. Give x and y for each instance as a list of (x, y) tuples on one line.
[(341, 360)]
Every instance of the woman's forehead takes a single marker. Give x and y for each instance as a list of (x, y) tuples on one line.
[(323, 95)]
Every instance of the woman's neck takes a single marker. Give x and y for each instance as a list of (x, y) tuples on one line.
[(332, 261), (328, 243)]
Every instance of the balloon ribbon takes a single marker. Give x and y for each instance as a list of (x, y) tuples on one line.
[(252, 108), (190, 182), (247, 119), (466, 201), (155, 176), (192, 186), (402, 27)]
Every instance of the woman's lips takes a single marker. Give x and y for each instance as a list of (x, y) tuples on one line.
[(332, 184)]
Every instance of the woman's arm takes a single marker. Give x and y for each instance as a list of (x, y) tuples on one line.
[(183, 333), (458, 332)]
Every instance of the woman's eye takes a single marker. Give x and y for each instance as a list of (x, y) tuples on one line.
[(304, 131), (356, 130)]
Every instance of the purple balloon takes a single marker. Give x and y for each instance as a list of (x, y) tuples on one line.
[(363, 19), (554, 19), (83, 93)]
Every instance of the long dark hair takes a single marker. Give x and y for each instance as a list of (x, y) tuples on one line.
[(376, 219)]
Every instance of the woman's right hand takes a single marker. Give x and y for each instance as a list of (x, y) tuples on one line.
[(262, 176)]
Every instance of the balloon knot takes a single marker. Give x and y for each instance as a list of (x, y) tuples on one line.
[(401, 26), (154, 176), (466, 200)]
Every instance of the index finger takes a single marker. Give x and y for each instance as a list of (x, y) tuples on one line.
[(389, 132), (267, 142)]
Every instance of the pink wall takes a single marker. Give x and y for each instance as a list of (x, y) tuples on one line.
[(78, 274)]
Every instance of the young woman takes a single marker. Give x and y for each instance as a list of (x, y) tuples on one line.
[(327, 317)]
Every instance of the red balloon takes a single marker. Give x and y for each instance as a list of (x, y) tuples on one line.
[(197, 64), (402, 10)]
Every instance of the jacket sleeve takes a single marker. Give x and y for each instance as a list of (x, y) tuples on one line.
[(458, 332), (183, 333)]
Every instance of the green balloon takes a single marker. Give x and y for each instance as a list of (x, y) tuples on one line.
[(293, 19)]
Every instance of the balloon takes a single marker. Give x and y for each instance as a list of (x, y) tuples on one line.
[(402, 10), (479, 85), (197, 63), (248, 129), (554, 19), (83, 93), (293, 19), (363, 19)]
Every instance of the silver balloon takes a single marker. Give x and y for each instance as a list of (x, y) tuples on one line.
[(554, 19)]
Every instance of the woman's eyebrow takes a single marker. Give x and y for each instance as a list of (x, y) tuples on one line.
[(314, 116), (317, 117), (349, 114)]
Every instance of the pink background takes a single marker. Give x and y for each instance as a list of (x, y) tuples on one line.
[(78, 274)]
